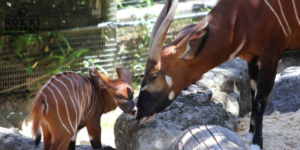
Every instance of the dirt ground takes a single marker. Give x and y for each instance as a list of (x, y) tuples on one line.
[(280, 131)]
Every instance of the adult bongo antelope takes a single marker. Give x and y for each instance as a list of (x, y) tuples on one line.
[(258, 31), (69, 101)]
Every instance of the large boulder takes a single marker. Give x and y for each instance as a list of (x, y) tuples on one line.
[(285, 96), (14, 140), (220, 97)]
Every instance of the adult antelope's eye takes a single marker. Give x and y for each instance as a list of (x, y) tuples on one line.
[(153, 76), (119, 97)]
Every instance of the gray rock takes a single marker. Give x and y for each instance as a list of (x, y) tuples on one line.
[(220, 97), (207, 137), (5, 123), (285, 96), (13, 140)]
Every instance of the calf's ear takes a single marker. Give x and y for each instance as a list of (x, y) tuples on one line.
[(124, 74), (99, 78)]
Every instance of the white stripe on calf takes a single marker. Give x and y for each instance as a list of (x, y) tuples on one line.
[(276, 17), (76, 123), (92, 99), (87, 94), (45, 97), (57, 109), (296, 12), (66, 106), (77, 97)]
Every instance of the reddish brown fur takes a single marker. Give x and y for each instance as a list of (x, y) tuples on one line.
[(92, 96), (234, 28)]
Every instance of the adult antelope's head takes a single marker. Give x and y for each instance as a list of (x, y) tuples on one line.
[(118, 89), (168, 67)]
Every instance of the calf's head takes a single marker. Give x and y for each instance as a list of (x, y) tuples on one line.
[(119, 90)]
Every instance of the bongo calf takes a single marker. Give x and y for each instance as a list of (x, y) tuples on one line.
[(68, 102)]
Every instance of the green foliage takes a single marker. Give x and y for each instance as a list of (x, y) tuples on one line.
[(92, 62), (134, 3), (42, 50)]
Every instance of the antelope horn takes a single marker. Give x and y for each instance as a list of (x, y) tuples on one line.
[(160, 29)]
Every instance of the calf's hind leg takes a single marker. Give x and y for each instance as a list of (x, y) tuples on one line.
[(47, 136)]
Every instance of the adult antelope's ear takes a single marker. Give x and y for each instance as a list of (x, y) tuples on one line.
[(194, 42), (99, 78), (124, 74)]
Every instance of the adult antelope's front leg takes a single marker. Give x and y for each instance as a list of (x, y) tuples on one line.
[(266, 74), (94, 131), (253, 73)]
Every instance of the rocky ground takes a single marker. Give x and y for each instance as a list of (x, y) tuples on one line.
[(280, 131)]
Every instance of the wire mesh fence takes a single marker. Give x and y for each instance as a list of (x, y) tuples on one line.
[(108, 45), (54, 14), (100, 44)]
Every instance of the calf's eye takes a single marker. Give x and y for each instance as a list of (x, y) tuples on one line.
[(119, 97)]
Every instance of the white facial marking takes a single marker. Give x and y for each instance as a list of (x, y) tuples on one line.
[(253, 84), (93, 74), (282, 13), (249, 136), (238, 49), (296, 13), (169, 80), (144, 88), (171, 95), (276, 17), (254, 147)]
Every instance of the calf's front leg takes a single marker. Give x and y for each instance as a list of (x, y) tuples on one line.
[(94, 131)]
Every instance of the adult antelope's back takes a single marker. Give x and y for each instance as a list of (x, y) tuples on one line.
[(69, 101), (258, 31)]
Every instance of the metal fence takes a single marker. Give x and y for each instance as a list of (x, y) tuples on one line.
[(109, 45), (56, 14)]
